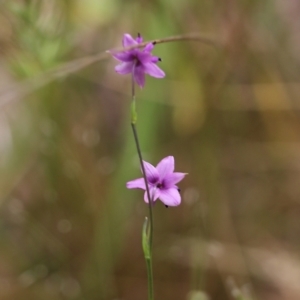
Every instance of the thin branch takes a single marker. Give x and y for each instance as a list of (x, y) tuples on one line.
[(19, 90)]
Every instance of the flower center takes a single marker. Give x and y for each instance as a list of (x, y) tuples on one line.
[(159, 185), (136, 61)]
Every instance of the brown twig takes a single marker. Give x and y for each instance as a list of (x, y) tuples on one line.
[(19, 90)]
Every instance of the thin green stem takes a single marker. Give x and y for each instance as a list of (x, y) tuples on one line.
[(149, 258), (138, 148), (150, 278), (146, 183), (149, 237)]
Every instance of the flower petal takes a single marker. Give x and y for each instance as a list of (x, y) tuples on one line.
[(136, 184), (123, 56), (143, 57), (170, 197), (173, 178), (154, 193), (149, 47), (153, 70), (139, 76), (151, 172), (139, 38), (124, 68), (128, 40), (155, 59), (165, 167)]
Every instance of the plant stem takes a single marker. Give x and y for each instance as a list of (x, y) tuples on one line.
[(150, 278), (148, 256), (138, 148), (146, 183)]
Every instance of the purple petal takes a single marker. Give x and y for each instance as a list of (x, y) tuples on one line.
[(139, 39), (170, 197), (149, 47), (153, 70), (128, 40), (136, 184), (154, 194), (124, 68), (151, 172), (144, 57), (155, 59), (171, 179), (123, 56), (165, 167), (139, 76)]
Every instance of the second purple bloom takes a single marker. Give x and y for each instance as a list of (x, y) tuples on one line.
[(162, 182), (136, 61)]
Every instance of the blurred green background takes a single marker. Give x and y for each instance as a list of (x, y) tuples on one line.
[(69, 229)]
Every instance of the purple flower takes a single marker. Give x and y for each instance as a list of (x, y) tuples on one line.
[(161, 181), (139, 62)]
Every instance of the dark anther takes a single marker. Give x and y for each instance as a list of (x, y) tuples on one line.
[(154, 43), (166, 206), (159, 59), (139, 35), (179, 190)]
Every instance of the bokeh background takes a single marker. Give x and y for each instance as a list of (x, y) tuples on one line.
[(228, 111)]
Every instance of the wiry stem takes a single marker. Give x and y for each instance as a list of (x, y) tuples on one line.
[(138, 148), (150, 278), (146, 182), (149, 233), (21, 89), (175, 38)]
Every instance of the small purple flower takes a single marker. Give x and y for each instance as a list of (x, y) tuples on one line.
[(161, 181), (140, 62)]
